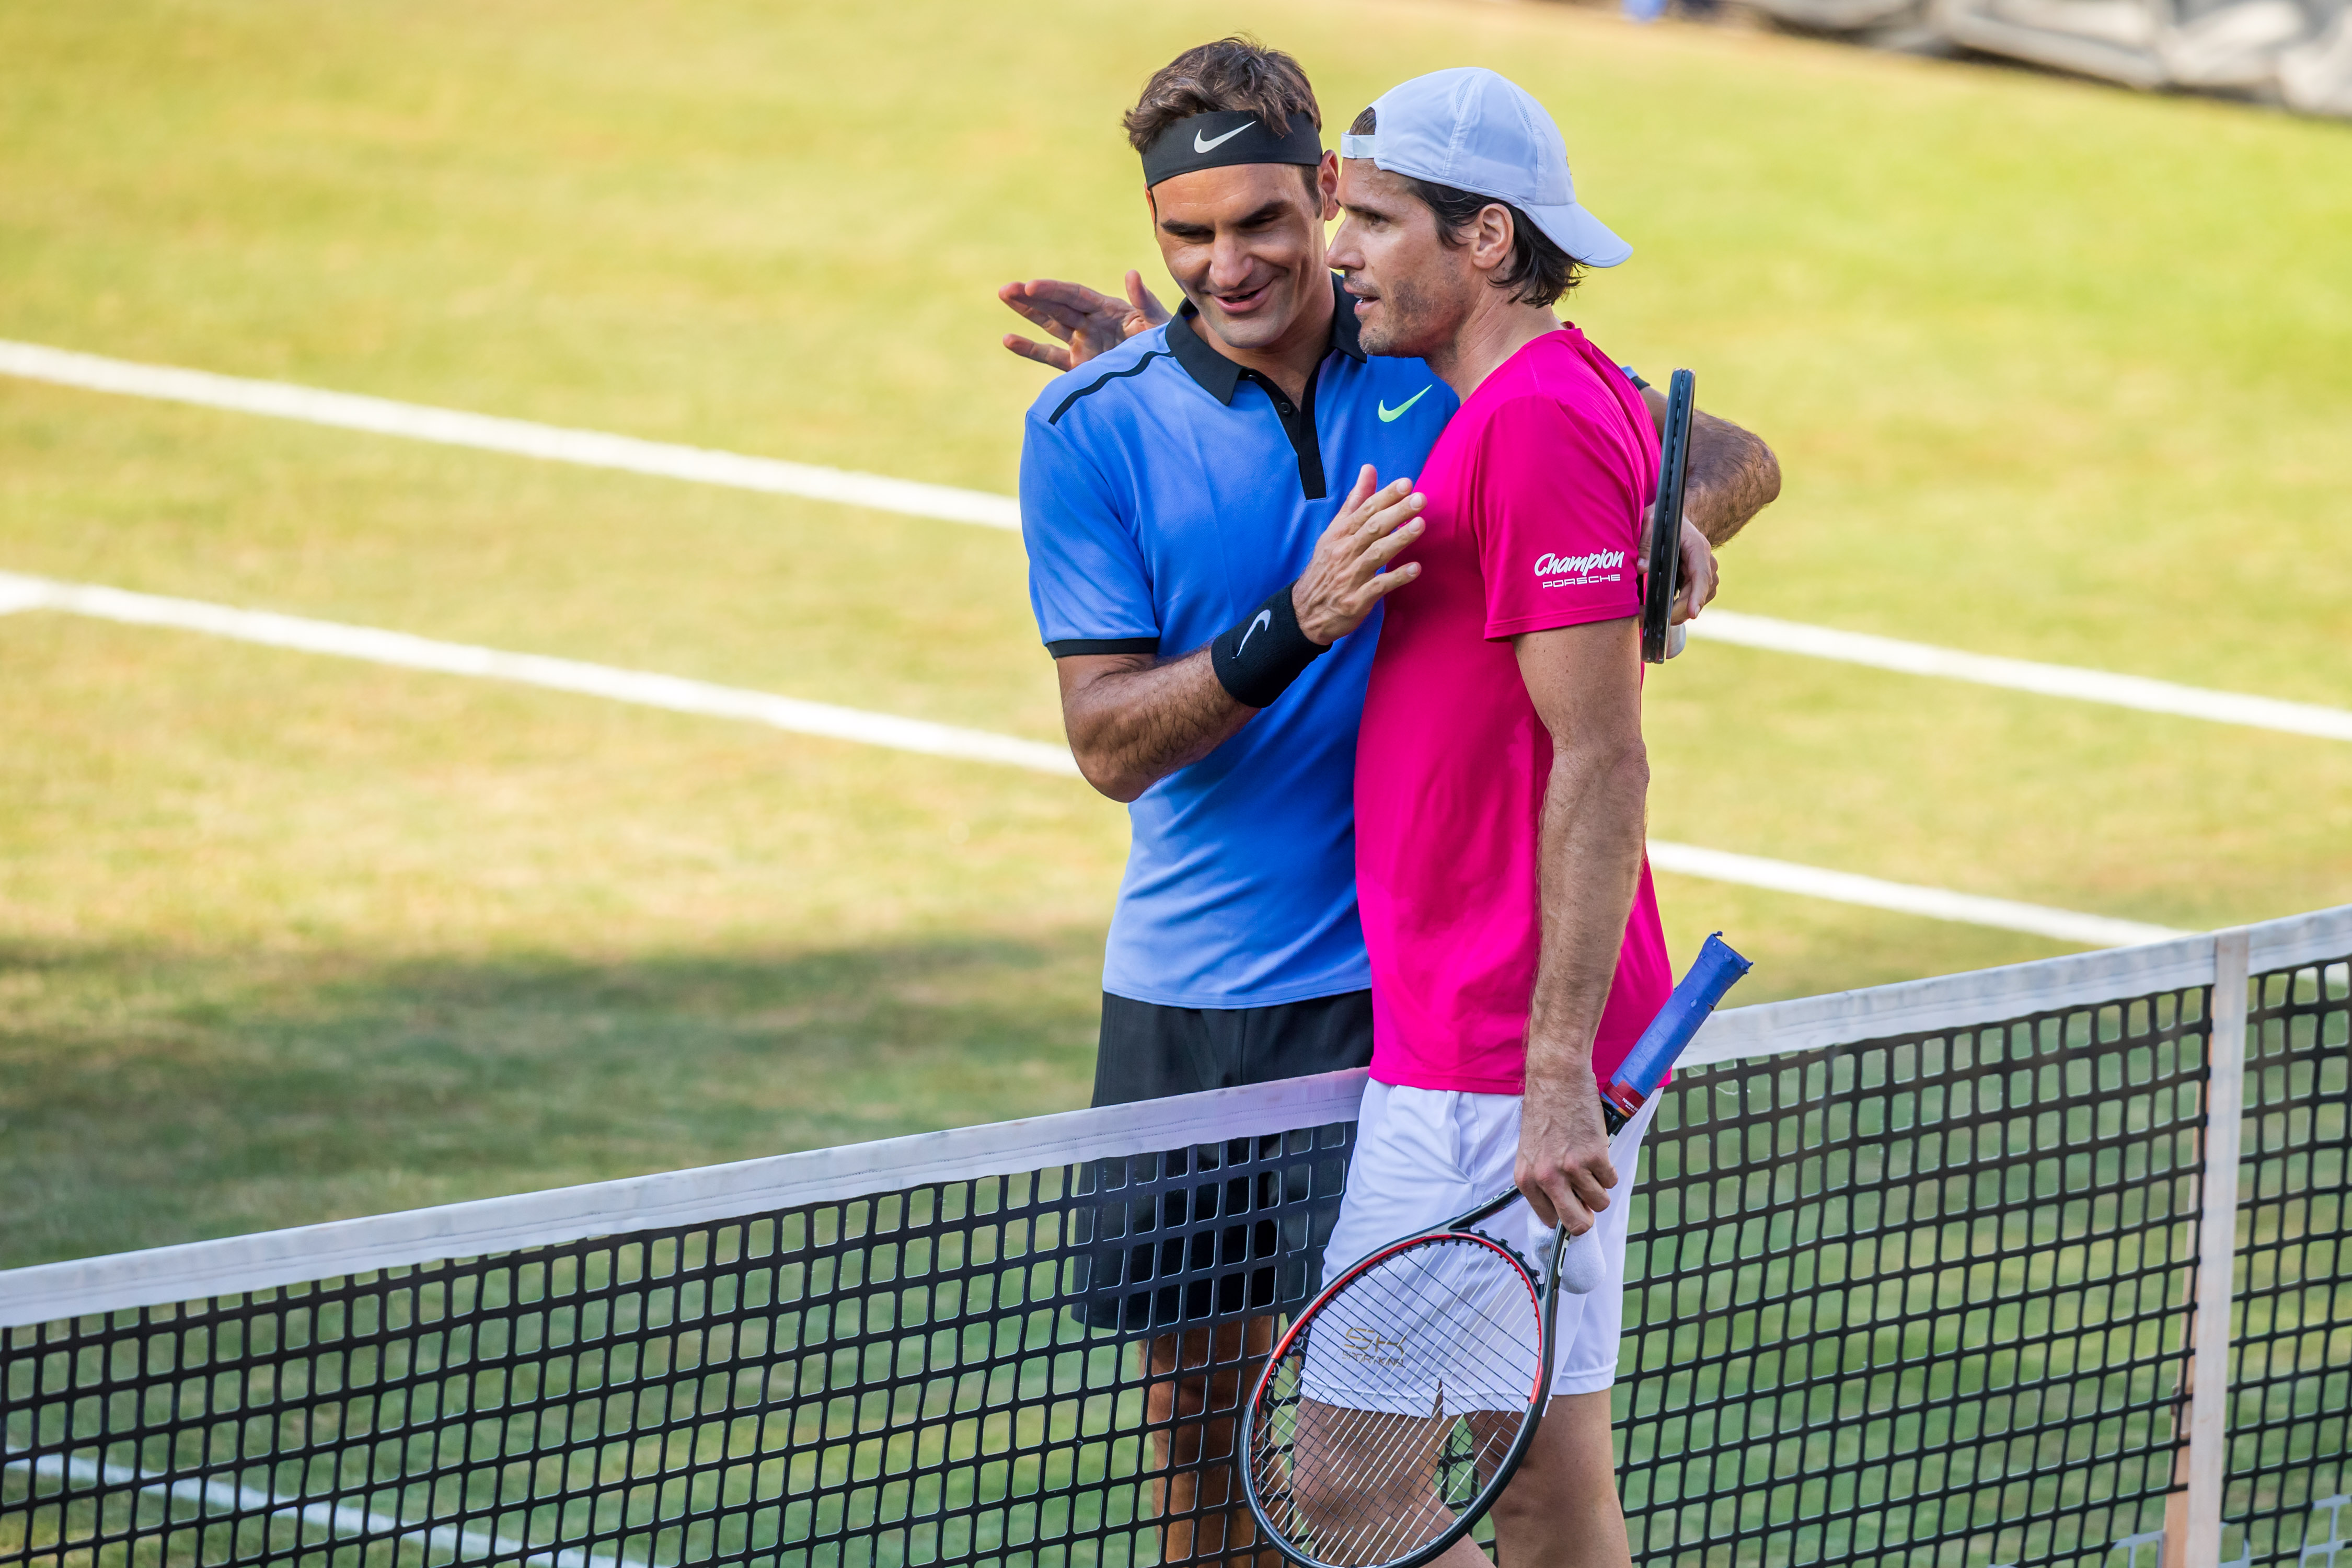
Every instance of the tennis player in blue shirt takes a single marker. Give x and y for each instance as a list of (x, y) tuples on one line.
[(1205, 556)]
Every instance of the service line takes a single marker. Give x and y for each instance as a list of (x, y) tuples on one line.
[(596, 450), (680, 695)]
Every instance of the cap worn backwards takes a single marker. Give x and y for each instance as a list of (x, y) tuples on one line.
[(1225, 137), (1479, 131)]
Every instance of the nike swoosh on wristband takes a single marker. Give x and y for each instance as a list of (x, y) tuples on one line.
[(1200, 146), (1265, 618), (1388, 413)]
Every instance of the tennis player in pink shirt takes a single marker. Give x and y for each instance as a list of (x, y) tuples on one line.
[(1500, 773)]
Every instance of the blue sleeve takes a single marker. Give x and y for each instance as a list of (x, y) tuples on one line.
[(1087, 580)]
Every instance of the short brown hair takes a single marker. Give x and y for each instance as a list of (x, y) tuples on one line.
[(1235, 73), (1538, 271)]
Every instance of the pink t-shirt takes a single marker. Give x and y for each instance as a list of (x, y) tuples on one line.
[(1534, 496)]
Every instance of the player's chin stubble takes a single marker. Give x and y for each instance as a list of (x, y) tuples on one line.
[(1403, 322)]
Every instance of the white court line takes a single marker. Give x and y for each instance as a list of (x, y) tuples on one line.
[(523, 438), (2024, 675), (682, 696), (641, 687), (337, 1519), (595, 450), (1935, 903)]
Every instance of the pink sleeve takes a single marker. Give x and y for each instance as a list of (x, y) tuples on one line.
[(1557, 515)]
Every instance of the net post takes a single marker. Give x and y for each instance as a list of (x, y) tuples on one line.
[(2217, 1246)]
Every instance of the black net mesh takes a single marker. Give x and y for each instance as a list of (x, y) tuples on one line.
[(2291, 1386), (1917, 1301), (890, 1379), (1928, 1302), (1921, 1302)]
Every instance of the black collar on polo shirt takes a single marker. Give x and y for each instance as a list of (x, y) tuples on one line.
[(1221, 378)]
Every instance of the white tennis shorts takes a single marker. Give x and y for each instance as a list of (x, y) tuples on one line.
[(1422, 1156)]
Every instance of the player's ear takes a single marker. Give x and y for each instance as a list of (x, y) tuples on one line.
[(1490, 237), (1327, 182)]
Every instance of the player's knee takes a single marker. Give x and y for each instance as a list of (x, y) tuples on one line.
[(1522, 1505)]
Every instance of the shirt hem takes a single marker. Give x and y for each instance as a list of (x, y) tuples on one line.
[(1498, 630), (1342, 985), (1447, 1083)]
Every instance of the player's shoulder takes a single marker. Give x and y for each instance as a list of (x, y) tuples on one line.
[(1559, 378), (1115, 372)]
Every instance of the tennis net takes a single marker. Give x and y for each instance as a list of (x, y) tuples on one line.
[(1953, 1274)]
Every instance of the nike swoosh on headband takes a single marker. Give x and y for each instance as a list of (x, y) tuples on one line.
[(1200, 146), (1388, 413)]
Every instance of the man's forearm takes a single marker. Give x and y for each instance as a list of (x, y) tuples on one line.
[(1733, 475), (1134, 720), (1593, 821)]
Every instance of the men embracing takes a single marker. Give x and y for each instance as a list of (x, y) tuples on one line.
[(1385, 774)]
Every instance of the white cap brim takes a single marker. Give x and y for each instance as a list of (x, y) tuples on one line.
[(1582, 236)]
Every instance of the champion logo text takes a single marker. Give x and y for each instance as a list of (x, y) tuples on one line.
[(1551, 565)]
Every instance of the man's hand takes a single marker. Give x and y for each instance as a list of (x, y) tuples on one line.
[(1344, 580), (1564, 1166), (1700, 577), (1086, 322)]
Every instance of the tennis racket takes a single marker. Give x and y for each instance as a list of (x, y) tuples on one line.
[(1661, 573), (1398, 1406)]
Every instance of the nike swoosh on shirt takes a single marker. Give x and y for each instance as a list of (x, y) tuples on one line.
[(1388, 413), (1200, 146), (1265, 618)]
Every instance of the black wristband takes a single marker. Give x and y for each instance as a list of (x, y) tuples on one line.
[(1257, 661)]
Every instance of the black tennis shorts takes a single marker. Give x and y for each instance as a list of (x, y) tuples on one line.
[(1155, 1238)]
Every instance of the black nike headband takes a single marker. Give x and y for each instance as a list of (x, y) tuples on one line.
[(1226, 137)]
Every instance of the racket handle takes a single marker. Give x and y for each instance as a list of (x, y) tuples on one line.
[(1715, 971)]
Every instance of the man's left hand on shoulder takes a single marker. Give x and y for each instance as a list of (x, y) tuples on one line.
[(1085, 322)]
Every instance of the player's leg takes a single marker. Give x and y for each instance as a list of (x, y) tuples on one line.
[(1561, 1510), (1353, 1419), (1196, 1383), (1349, 1522)]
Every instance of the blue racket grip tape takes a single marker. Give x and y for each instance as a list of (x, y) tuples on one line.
[(1715, 971)]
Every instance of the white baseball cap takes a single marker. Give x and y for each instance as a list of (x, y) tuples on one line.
[(1479, 131)]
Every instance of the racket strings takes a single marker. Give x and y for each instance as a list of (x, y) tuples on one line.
[(1395, 1402)]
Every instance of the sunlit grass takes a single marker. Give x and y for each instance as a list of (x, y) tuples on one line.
[(2055, 371)]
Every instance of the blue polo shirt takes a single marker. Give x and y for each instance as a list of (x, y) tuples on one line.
[(1165, 491)]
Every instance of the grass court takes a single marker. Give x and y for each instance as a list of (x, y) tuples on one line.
[(2055, 371)]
